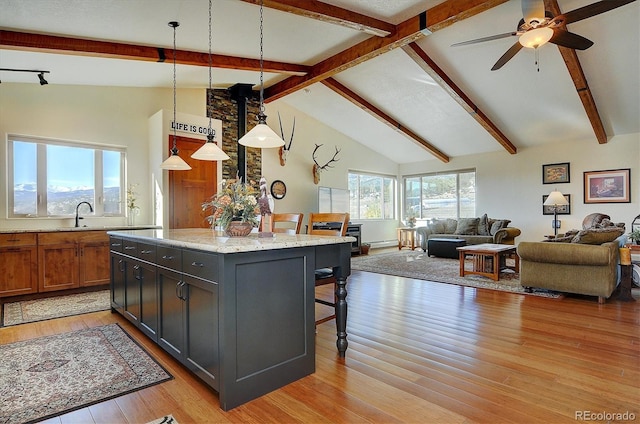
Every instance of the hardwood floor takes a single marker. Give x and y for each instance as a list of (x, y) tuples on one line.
[(419, 352)]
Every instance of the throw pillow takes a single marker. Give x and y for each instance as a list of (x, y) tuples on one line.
[(450, 226), (598, 235), (498, 224), (565, 239), (438, 226), (467, 226), (483, 226)]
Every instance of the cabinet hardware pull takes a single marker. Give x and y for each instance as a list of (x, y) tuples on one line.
[(145, 252), (198, 264), (182, 295), (129, 247), (167, 257), (138, 272), (121, 265), (178, 289), (116, 244)]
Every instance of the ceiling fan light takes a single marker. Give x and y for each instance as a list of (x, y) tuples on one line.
[(210, 151), (536, 37)]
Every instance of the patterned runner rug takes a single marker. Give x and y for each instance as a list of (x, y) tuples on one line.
[(55, 307), (417, 264), (52, 375)]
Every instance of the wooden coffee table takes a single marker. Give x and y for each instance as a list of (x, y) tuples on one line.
[(488, 259)]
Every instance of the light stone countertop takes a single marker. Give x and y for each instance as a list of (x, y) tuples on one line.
[(75, 229), (216, 241)]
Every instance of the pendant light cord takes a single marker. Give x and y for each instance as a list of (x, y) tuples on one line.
[(210, 131), (261, 62), (175, 147)]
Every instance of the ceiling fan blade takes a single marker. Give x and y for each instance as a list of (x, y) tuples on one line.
[(532, 10), (507, 56), (589, 11), (483, 39), (568, 39)]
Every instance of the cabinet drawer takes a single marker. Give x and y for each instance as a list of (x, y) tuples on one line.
[(147, 252), (169, 257), (115, 244), (18, 239), (200, 264), (129, 247), (63, 237)]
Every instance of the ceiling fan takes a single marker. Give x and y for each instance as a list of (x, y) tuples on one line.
[(539, 26)]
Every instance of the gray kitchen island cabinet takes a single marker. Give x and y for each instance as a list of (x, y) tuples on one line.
[(238, 312)]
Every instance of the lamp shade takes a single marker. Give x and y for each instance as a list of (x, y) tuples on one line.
[(210, 151), (536, 37), (175, 163), (261, 136), (556, 199)]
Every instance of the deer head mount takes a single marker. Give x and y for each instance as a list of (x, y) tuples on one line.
[(283, 152), (317, 168)]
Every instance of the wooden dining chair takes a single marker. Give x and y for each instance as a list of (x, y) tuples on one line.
[(287, 223), (327, 224)]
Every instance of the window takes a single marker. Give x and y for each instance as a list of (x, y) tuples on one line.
[(441, 195), (371, 196), (48, 178)]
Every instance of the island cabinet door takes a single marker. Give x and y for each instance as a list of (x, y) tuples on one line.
[(148, 299), (118, 273), (171, 312), (201, 354), (132, 290)]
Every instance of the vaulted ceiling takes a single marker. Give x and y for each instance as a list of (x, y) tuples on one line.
[(381, 72)]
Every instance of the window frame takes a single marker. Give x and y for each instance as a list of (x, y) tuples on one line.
[(456, 172), (41, 175), (393, 195)]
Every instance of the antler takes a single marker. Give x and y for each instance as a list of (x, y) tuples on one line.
[(326, 165), (293, 130)]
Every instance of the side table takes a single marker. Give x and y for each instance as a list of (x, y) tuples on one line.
[(407, 237)]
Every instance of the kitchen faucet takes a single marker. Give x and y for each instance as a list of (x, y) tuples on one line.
[(80, 217)]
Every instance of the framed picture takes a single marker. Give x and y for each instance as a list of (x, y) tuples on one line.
[(555, 173), (611, 186), (562, 209)]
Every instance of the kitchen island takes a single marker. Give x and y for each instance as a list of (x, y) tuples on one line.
[(238, 312)]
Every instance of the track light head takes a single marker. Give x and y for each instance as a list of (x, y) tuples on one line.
[(42, 80)]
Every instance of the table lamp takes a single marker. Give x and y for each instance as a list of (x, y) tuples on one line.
[(554, 200)]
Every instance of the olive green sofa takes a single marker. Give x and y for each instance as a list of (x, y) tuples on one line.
[(587, 264)]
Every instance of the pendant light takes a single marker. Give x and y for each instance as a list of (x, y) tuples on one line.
[(261, 135), (174, 162), (210, 150)]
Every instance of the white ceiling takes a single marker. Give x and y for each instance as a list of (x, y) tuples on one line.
[(529, 107)]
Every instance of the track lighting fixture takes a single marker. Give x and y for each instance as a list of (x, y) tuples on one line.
[(40, 73)]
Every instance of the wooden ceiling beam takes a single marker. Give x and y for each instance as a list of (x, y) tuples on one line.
[(580, 81), (13, 40), (383, 117), (332, 14), (438, 17), (427, 64)]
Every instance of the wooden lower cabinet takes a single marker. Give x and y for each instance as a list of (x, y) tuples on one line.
[(18, 264), (68, 260)]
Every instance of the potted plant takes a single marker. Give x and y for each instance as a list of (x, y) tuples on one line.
[(635, 237), (364, 248), (235, 205)]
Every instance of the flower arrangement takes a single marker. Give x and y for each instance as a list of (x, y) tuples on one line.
[(131, 197), (236, 201), (411, 221)]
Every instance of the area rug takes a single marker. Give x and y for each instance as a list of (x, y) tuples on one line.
[(53, 375), (55, 307), (167, 419), (417, 264)]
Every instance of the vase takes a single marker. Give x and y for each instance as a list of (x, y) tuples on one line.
[(238, 229)]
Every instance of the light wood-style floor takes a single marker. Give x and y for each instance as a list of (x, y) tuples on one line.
[(419, 352)]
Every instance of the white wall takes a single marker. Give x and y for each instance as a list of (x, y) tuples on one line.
[(510, 186), (302, 193), (109, 115)]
